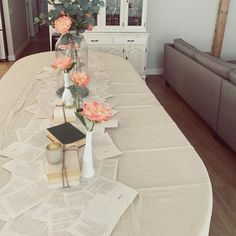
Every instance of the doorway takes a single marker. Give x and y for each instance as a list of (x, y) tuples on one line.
[(39, 34)]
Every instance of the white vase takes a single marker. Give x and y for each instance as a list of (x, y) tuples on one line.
[(67, 97), (87, 170)]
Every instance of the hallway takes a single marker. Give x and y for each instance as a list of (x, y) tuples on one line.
[(40, 43)]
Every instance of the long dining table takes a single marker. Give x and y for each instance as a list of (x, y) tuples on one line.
[(174, 189)]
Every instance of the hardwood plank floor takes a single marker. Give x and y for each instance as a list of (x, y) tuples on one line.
[(4, 66), (218, 158)]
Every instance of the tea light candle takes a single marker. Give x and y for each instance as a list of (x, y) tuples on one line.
[(54, 153)]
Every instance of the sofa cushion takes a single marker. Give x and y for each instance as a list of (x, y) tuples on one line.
[(215, 64), (185, 47), (232, 76)]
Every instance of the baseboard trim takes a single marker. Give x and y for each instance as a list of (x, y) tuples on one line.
[(13, 57), (155, 71)]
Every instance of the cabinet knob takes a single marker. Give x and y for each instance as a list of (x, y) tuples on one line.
[(130, 40), (94, 40)]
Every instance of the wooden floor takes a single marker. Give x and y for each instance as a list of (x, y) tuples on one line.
[(40, 43), (218, 158), (4, 66)]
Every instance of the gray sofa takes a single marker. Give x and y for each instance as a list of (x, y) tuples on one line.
[(206, 83)]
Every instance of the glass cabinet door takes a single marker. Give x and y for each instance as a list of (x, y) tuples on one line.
[(95, 17), (135, 12), (113, 13)]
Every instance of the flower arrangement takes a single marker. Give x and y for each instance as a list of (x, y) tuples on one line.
[(75, 15), (93, 112), (65, 64)]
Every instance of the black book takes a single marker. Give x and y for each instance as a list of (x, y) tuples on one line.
[(66, 134)]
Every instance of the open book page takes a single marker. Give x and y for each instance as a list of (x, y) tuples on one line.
[(33, 108), (108, 104), (108, 124), (13, 185), (9, 166), (24, 225), (78, 198), (115, 190), (104, 148), (4, 215), (45, 96), (93, 99), (114, 112), (24, 133), (104, 94), (19, 201), (54, 200), (45, 111), (38, 139), (108, 168), (22, 151), (39, 124), (60, 220), (30, 171), (99, 218)]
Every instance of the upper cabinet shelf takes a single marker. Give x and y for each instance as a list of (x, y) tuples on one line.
[(122, 16)]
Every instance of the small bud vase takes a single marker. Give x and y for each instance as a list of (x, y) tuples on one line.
[(67, 97), (87, 170)]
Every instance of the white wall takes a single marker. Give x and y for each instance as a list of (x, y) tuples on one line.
[(16, 26), (192, 20)]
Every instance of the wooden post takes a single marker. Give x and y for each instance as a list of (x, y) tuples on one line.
[(220, 27)]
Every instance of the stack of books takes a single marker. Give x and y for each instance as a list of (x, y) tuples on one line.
[(71, 138)]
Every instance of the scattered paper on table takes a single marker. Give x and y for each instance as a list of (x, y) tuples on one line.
[(22, 151), (99, 218), (109, 169), (9, 166), (19, 201), (112, 189), (13, 185), (104, 148), (54, 200), (24, 225), (78, 198), (60, 220)]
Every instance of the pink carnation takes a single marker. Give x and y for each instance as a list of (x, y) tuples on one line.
[(62, 24), (80, 78), (96, 112), (62, 63), (90, 27)]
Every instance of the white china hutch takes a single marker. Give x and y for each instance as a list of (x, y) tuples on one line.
[(121, 30)]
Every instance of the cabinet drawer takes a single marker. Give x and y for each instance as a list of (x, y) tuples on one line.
[(98, 40), (135, 40)]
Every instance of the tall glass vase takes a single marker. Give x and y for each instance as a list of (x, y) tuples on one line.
[(87, 170), (73, 45)]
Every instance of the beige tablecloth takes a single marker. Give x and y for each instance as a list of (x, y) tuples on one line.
[(175, 195)]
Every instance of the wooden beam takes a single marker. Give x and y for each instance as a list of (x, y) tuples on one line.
[(220, 27)]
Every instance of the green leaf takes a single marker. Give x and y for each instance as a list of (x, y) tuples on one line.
[(81, 119), (70, 68)]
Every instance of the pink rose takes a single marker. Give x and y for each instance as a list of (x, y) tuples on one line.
[(90, 27), (62, 63), (62, 24), (80, 78), (96, 112)]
